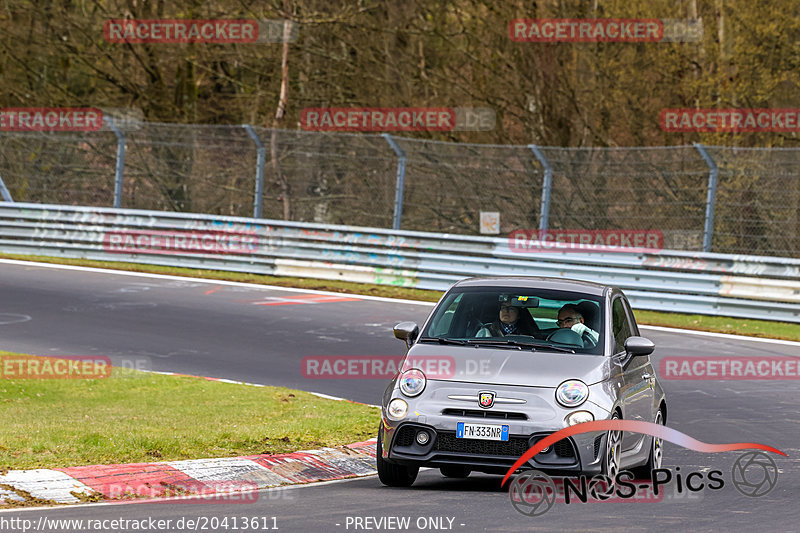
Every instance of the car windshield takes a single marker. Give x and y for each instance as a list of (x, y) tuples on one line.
[(538, 318)]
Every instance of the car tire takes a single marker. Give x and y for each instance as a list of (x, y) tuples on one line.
[(612, 452), (455, 471), (656, 456), (390, 474)]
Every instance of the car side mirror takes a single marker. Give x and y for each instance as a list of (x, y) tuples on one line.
[(407, 332), (639, 346)]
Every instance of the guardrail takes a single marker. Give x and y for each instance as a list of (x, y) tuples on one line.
[(702, 283)]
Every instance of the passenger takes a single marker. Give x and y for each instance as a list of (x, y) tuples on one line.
[(512, 320), (570, 317)]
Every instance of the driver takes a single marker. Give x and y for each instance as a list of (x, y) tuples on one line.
[(511, 320), (570, 317)]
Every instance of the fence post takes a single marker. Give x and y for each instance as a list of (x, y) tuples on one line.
[(711, 196), (4, 191), (260, 162), (547, 186), (120, 160), (401, 180)]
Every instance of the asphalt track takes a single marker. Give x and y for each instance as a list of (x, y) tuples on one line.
[(225, 331)]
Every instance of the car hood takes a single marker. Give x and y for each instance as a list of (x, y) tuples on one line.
[(505, 366)]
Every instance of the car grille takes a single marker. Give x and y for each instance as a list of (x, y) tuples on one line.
[(405, 437), (597, 441), (564, 449), (514, 447), (479, 413)]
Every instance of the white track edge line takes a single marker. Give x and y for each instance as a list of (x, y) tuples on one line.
[(328, 397), (211, 281), (234, 382), (358, 296), (730, 336)]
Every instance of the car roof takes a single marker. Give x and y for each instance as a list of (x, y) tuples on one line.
[(536, 282)]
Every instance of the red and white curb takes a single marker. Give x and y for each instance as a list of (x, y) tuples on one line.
[(195, 476)]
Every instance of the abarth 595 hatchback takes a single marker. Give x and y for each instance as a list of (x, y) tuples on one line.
[(503, 362)]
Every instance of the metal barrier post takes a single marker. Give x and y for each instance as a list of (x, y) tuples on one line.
[(547, 187), (711, 196), (261, 158), (401, 179), (4, 191), (120, 160)]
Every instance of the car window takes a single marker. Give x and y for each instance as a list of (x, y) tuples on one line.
[(620, 325), (444, 321), (474, 313), (631, 317)]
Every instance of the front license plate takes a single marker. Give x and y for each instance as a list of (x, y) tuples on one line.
[(481, 431)]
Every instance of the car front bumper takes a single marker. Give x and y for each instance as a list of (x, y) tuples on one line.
[(437, 414)]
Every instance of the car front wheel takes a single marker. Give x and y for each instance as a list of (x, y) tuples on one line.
[(656, 454), (613, 450), (391, 474)]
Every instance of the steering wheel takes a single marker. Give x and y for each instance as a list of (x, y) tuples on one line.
[(566, 336)]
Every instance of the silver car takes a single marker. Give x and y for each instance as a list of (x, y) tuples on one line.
[(503, 362)]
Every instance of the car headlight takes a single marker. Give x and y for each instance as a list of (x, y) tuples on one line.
[(412, 382), (398, 409), (572, 393), (578, 417)]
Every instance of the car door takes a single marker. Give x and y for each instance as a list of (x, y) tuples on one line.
[(637, 382)]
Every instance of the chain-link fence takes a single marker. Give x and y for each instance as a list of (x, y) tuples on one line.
[(758, 201), (447, 185), (661, 188), (722, 199)]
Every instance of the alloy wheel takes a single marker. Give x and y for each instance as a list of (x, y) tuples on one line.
[(613, 452), (657, 451)]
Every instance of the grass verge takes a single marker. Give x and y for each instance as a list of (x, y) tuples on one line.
[(722, 324), (133, 416), (737, 326)]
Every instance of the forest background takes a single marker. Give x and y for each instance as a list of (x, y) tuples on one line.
[(404, 53)]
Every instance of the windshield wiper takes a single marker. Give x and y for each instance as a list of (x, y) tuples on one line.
[(556, 348), (441, 340), (531, 345), (505, 342)]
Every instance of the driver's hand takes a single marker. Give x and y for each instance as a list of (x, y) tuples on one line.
[(580, 329)]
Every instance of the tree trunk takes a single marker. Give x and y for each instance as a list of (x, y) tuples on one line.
[(273, 143)]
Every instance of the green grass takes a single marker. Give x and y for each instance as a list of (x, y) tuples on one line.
[(140, 417), (738, 326), (721, 324)]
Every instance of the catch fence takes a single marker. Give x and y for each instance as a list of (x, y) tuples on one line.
[(702, 198)]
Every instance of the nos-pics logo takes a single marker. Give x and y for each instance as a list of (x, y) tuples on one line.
[(533, 493)]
